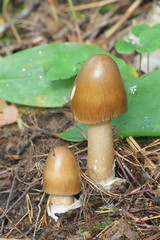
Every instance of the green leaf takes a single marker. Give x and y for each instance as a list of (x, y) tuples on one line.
[(36, 93), (123, 46), (71, 57), (25, 77), (143, 115), (75, 133), (149, 40), (62, 70), (129, 72), (156, 26), (138, 29)]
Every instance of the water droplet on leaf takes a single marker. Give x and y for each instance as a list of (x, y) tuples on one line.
[(133, 89)]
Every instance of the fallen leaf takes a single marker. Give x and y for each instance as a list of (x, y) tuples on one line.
[(8, 113)]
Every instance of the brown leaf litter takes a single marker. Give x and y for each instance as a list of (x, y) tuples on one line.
[(8, 113)]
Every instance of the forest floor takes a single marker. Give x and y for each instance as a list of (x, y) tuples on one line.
[(127, 211)]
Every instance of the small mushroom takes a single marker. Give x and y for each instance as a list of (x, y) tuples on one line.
[(97, 96), (61, 179)]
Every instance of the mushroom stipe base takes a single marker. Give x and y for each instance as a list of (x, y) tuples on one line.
[(114, 182), (52, 209)]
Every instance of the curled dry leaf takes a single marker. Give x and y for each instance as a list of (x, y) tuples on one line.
[(8, 113)]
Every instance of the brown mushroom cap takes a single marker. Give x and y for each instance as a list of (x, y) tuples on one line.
[(61, 174), (98, 93)]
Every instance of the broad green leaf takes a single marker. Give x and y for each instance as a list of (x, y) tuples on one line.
[(143, 115), (72, 56), (130, 73), (75, 134), (25, 76), (41, 93), (62, 69)]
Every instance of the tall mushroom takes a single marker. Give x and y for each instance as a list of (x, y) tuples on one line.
[(97, 96), (61, 179)]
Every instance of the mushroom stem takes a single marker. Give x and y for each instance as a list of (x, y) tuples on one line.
[(61, 204), (62, 200), (100, 163)]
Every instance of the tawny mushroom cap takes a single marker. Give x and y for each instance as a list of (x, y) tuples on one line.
[(61, 174), (98, 93)]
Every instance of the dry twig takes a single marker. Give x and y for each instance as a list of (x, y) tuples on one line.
[(118, 24), (14, 225)]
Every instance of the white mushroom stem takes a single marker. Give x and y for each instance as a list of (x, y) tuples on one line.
[(100, 163), (62, 204), (61, 200)]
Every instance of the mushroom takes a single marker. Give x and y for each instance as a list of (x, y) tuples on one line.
[(97, 96), (61, 179)]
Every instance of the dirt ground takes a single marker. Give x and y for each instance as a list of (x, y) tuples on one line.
[(131, 209)]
